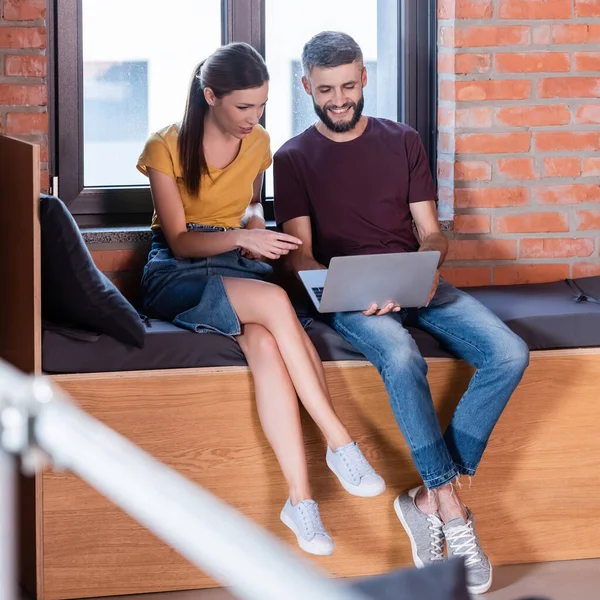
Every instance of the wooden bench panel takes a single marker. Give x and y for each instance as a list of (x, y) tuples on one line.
[(538, 483)]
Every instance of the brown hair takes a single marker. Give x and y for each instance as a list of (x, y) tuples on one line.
[(233, 67)]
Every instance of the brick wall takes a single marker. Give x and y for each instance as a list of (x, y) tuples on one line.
[(23, 66), (519, 141)]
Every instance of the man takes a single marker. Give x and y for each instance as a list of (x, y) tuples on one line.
[(352, 185)]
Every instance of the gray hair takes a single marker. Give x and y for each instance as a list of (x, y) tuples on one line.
[(330, 49)]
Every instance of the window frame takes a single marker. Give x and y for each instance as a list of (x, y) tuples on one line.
[(414, 53)]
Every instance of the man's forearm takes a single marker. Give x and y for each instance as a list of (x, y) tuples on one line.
[(436, 241), (303, 262)]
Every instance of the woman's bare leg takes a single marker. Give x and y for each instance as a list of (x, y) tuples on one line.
[(260, 303), (277, 406)]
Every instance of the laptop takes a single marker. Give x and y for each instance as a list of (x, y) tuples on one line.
[(355, 283)]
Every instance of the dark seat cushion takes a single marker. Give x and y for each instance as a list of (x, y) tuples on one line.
[(75, 293), (169, 347), (546, 316)]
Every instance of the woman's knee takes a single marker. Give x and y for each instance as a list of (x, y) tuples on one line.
[(258, 341)]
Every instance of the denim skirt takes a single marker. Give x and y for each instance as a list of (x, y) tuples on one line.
[(190, 292)]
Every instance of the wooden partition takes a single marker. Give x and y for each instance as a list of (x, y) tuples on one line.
[(20, 311), (535, 496)]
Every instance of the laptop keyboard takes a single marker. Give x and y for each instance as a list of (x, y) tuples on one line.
[(318, 291)]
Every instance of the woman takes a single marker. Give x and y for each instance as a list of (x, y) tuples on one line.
[(206, 272)]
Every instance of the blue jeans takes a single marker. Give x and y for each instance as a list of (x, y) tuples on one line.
[(472, 333)]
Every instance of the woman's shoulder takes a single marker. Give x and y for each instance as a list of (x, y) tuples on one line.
[(259, 134), (167, 135)]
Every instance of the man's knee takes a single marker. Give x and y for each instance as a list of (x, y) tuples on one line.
[(511, 354), (404, 360)]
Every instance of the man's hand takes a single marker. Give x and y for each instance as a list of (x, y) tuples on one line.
[(374, 310), (434, 287)]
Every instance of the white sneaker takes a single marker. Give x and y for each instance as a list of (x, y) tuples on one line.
[(354, 472), (305, 521)]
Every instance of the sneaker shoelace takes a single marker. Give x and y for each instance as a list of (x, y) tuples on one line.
[(311, 519), (463, 542), (437, 538), (356, 461)]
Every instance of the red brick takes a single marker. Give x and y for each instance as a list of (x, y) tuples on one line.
[(26, 123), (491, 197), (517, 168), (593, 34), (446, 195), (445, 169), (556, 248), (570, 33), (475, 116), (551, 141), (494, 143), (588, 219), (534, 116), (533, 222), (467, 276), (586, 269), (471, 224), (513, 274), (110, 261), (446, 62), (445, 116), (567, 194), (533, 62), (542, 34), (536, 9), (24, 10), (568, 166), (44, 180), (23, 95), (482, 250), (587, 8), (446, 9), (22, 37), (472, 63), (519, 89), (476, 170), (446, 142), (473, 37), (465, 9), (591, 166), (589, 114), (447, 90), (587, 61), (569, 87), (25, 65)]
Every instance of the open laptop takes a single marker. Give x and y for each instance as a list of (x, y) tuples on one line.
[(354, 283)]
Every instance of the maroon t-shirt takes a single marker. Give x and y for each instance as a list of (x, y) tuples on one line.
[(356, 193)]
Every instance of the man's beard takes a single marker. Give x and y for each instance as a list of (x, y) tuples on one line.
[(341, 126)]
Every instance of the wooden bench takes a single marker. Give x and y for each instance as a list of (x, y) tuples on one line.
[(535, 495)]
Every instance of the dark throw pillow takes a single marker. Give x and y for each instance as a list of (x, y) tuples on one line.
[(75, 293)]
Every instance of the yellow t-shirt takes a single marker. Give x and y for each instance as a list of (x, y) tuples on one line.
[(226, 194)]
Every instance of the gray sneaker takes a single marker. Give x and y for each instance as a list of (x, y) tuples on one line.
[(355, 473), (462, 541), (424, 531), (305, 521)]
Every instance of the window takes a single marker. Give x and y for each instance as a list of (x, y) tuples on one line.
[(122, 71)]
